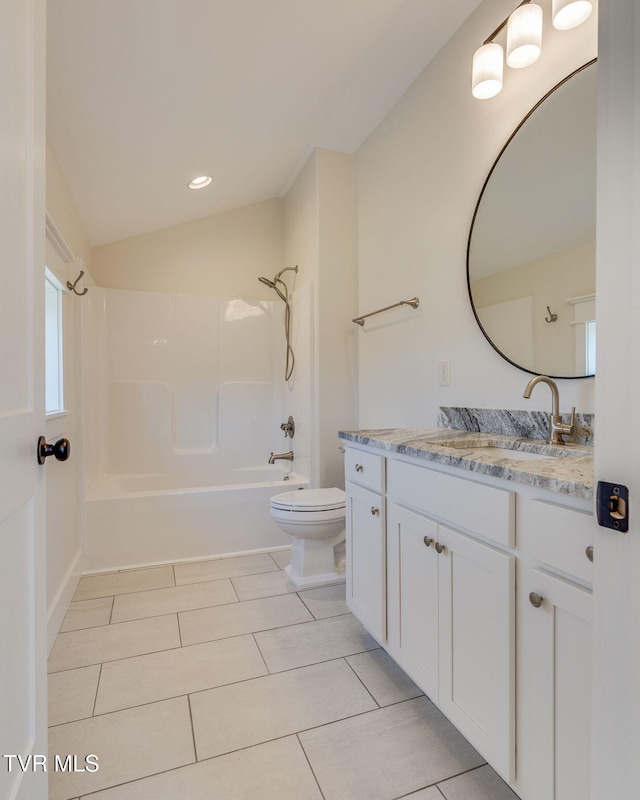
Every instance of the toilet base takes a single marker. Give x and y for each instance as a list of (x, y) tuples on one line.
[(316, 562), (314, 581)]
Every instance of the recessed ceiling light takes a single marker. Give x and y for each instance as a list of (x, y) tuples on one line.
[(201, 182)]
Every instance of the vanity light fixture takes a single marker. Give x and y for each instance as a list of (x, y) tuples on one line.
[(200, 182), (524, 35), (569, 14), (524, 42)]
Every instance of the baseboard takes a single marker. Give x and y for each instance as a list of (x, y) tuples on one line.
[(60, 603)]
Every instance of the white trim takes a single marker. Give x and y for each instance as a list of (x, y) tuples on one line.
[(58, 241), (583, 298), (64, 595)]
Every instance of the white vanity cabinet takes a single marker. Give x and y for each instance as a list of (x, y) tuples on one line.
[(451, 626), (413, 596), (366, 540), (444, 584), (555, 647)]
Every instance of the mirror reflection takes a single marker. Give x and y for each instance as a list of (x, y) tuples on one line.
[(531, 254)]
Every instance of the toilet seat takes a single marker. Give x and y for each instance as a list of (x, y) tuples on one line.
[(315, 520), (309, 500)]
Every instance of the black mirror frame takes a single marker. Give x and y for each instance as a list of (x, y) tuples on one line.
[(475, 214)]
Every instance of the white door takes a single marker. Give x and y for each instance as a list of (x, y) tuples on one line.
[(412, 596), (477, 645), (22, 545), (559, 639), (366, 559), (616, 584)]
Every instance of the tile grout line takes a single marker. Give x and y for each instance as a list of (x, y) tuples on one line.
[(113, 605), (233, 588), (346, 660), (465, 772), (193, 732), (315, 777), (95, 699), (175, 585), (261, 655), (307, 607), (237, 683), (179, 630)]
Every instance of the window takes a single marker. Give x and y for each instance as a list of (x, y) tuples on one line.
[(54, 389), (591, 347)]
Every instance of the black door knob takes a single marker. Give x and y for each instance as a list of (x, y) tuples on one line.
[(61, 450)]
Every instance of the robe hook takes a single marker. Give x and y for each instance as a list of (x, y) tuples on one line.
[(72, 286), (552, 317)]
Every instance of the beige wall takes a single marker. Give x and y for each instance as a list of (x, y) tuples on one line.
[(419, 176), (551, 281), (221, 255), (63, 212)]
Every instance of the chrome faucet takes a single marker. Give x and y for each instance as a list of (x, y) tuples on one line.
[(281, 456), (557, 428)]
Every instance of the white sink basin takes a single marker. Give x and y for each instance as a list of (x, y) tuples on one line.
[(517, 455), (535, 451)]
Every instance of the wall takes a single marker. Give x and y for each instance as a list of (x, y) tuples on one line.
[(320, 236), (221, 255), (550, 281), (65, 481), (418, 179)]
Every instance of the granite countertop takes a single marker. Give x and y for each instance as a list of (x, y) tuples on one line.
[(566, 469)]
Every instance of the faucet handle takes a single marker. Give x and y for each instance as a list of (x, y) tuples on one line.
[(572, 421)]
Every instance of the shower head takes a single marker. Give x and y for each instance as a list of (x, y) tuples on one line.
[(271, 282), (272, 285)]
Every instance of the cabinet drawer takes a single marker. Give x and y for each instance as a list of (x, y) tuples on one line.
[(476, 507), (365, 469), (558, 535)]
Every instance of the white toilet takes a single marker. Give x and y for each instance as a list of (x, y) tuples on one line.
[(315, 519)]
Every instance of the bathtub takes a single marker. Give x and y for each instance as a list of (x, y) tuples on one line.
[(135, 520)]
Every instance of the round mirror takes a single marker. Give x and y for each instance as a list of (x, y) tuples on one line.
[(531, 250)]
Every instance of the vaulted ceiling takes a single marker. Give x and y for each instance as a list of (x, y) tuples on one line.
[(144, 95)]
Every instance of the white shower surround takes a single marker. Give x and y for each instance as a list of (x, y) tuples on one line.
[(184, 403)]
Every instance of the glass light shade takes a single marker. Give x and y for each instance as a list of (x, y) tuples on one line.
[(486, 80), (524, 35), (569, 14)]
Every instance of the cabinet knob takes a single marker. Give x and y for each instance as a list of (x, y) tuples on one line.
[(535, 600), (439, 548), (359, 467), (589, 552), (428, 541), (375, 510)]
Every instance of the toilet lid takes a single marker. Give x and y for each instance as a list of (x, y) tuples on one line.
[(310, 500)]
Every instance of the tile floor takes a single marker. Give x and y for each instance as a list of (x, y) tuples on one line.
[(217, 681)]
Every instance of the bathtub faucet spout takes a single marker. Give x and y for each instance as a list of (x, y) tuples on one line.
[(281, 456)]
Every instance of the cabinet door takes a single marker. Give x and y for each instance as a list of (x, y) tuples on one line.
[(412, 602), (559, 641), (366, 561), (477, 645)]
